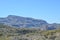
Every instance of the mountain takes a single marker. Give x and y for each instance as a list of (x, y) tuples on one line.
[(25, 22), (22, 21)]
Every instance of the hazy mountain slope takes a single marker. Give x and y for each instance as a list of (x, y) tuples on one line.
[(25, 22), (22, 21)]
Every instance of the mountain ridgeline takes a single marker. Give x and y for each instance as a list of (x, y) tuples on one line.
[(24, 22)]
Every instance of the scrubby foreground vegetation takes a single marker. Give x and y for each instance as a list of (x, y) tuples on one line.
[(11, 33)]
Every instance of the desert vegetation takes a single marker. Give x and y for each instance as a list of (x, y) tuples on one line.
[(12, 33)]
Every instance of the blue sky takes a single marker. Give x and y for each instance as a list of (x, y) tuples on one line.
[(48, 10)]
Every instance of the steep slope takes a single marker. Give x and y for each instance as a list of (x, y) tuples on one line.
[(25, 22), (18, 21)]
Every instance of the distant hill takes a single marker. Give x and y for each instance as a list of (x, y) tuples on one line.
[(24, 22)]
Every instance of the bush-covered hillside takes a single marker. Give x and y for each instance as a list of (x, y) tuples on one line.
[(11, 33)]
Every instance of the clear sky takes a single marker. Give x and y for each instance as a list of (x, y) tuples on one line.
[(48, 10)]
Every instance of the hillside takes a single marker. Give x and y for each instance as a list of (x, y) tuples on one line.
[(18, 21), (25, 22), (10, 33), (23, 28)]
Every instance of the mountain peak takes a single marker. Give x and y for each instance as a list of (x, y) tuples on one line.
[(19, 21), (25, 22), (12, 16)]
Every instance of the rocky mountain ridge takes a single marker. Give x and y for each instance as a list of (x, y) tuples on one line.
[(25, 22)]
